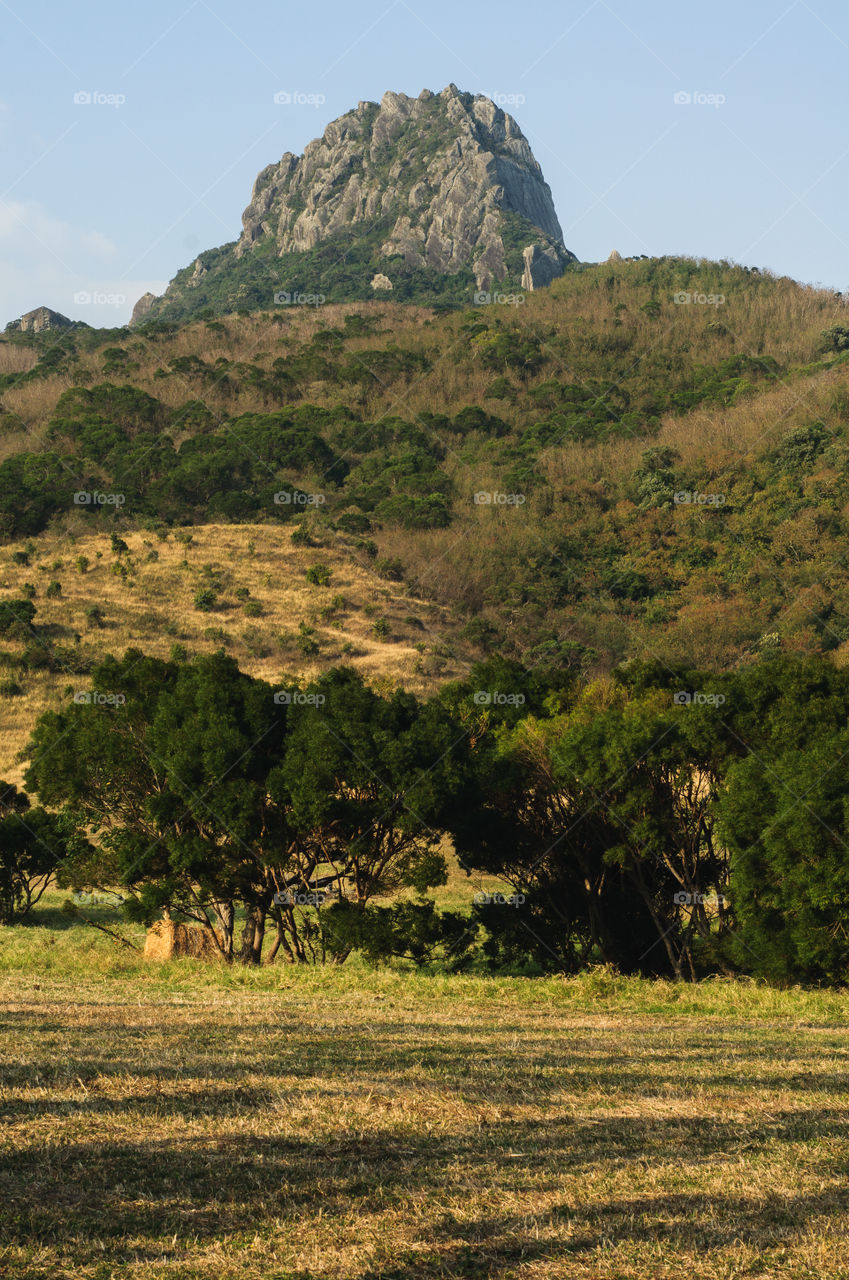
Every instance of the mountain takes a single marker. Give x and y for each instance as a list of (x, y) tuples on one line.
[(422, 199)]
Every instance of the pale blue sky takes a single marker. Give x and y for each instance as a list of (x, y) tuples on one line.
[(110, 200)]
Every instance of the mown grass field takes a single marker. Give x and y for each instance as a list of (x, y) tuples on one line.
[(182, 1120)]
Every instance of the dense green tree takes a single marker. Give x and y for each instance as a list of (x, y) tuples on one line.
[(34, 845)]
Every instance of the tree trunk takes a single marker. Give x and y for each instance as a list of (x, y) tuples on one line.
[(226, 915), (253, 936)]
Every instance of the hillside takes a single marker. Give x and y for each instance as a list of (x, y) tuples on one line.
[(585, 410), (263, 610), (424, 199)]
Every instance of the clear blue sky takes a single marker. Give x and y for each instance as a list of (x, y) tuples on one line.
[(111, 200)]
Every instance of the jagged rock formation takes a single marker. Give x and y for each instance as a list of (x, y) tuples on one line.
[(38, 320), (142, 307), (414, 190)]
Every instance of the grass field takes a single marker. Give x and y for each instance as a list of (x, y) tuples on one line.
[(182, 1120)]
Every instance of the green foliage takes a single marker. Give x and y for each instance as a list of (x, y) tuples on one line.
[(16, 617), (836, 338), (33, 844), (205, 599), (319, 575)]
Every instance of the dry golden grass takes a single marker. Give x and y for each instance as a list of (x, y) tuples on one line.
[(15, 359), (193, 1121), (784, 320), (152, 609)]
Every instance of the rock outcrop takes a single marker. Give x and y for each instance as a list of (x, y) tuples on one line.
[(443, 184), (40, 319), (142, 307)]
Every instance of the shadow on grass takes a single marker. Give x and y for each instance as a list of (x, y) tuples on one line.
[(476, 1059), (87, 1194), (54, 918)]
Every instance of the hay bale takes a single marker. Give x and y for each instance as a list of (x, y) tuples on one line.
[(167, 941)]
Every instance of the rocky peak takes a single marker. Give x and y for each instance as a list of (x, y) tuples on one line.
[(440, 170), (40, 319), (433, 196)]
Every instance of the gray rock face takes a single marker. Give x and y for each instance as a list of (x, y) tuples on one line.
[(142, 307), (542, 265), (405, 195), (40, 319), (443, 169)]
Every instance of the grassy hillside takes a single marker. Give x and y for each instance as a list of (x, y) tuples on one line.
[(266, 614), (580, 413)]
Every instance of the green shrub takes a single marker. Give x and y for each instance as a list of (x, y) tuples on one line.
[(205, 599), (319, 575)]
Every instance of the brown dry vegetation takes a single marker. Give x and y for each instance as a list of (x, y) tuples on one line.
[(784, 321)]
